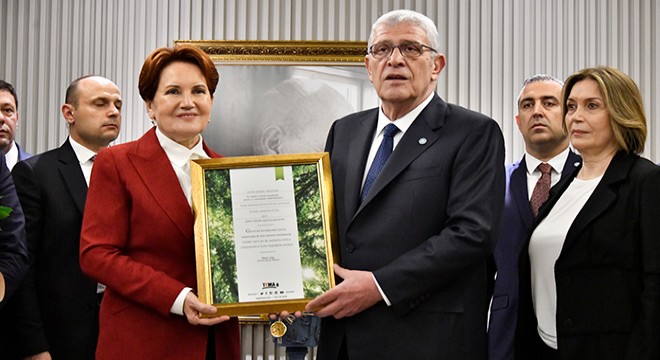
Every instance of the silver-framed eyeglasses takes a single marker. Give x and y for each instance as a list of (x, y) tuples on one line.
[(409, 49)]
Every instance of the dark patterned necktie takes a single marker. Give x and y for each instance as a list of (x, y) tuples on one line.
[(383, 153), (542, 188)]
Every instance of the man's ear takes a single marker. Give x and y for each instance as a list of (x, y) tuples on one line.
[(517, 120), (271, 140), (439, 62), (67, 113), (366, 64)]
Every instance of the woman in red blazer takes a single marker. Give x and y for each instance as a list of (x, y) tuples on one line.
[(137, 235), (592, 265)]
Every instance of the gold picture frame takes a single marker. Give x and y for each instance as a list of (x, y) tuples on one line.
[(277, 97), (225, 204), (279, 52)]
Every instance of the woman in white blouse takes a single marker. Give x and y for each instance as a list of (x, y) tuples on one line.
[(590, 273)]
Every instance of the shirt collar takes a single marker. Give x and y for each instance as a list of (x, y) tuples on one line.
[(82, 153), (11, 157), (404, 122), (556, 162), (178, 154)]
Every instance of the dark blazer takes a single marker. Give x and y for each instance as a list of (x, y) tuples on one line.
[(517, 219), (56, 308), (608, 271), (425, 231), (13, 246), (138, 240)]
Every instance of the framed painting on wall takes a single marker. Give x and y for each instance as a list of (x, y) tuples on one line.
[(281, 97)]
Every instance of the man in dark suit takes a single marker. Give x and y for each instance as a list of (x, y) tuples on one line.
[(539, 120), (55, 311), (13, 246), (414, 242), (8, 124)]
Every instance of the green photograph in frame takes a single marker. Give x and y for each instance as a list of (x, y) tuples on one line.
[(264, 231)]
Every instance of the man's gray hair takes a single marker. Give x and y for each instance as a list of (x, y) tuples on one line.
[(537, 78), (414, 18), (542, 77)]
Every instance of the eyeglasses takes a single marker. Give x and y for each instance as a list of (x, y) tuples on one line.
[(409, 49)]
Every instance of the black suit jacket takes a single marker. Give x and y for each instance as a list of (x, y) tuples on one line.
[(13, 246), (608, 271), (425, 231), (56, 307), (516, 222)]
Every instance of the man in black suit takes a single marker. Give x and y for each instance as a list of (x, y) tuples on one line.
[(540, 121), (8, 124), (13, 247), (414, 242), (55, 311)]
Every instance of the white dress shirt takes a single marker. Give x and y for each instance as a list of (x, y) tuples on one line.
[(180, 157), (85, 158), (534, 174), (11, 157)]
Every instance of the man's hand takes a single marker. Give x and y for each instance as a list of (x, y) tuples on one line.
[(2, 287), (356, 293), (285, 314), (192, 307)]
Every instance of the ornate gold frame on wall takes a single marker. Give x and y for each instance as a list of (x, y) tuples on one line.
[(282, 52), (250, 69)]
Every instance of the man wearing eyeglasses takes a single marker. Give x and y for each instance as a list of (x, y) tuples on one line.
[(418, 206)]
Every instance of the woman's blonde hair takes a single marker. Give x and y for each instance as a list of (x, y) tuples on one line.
[(622, 100)]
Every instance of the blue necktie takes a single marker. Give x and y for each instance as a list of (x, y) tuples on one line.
[(383, 153)]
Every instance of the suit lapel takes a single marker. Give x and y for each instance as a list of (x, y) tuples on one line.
[(69, 167), (410, 146), (518, 186), (22, 155), (209, 152), (571, 164), (602, 198), (153, 166), (358, 151), (569, 170)]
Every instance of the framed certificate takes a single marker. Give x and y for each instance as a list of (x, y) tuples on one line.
[(264, 231)]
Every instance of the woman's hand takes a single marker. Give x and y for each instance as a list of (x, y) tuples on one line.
[(40, 356), (192, 308)]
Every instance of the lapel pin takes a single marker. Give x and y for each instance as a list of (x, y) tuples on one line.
[(577, 163), (422, 141)]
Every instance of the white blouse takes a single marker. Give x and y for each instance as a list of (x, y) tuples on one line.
[(544, 248)]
